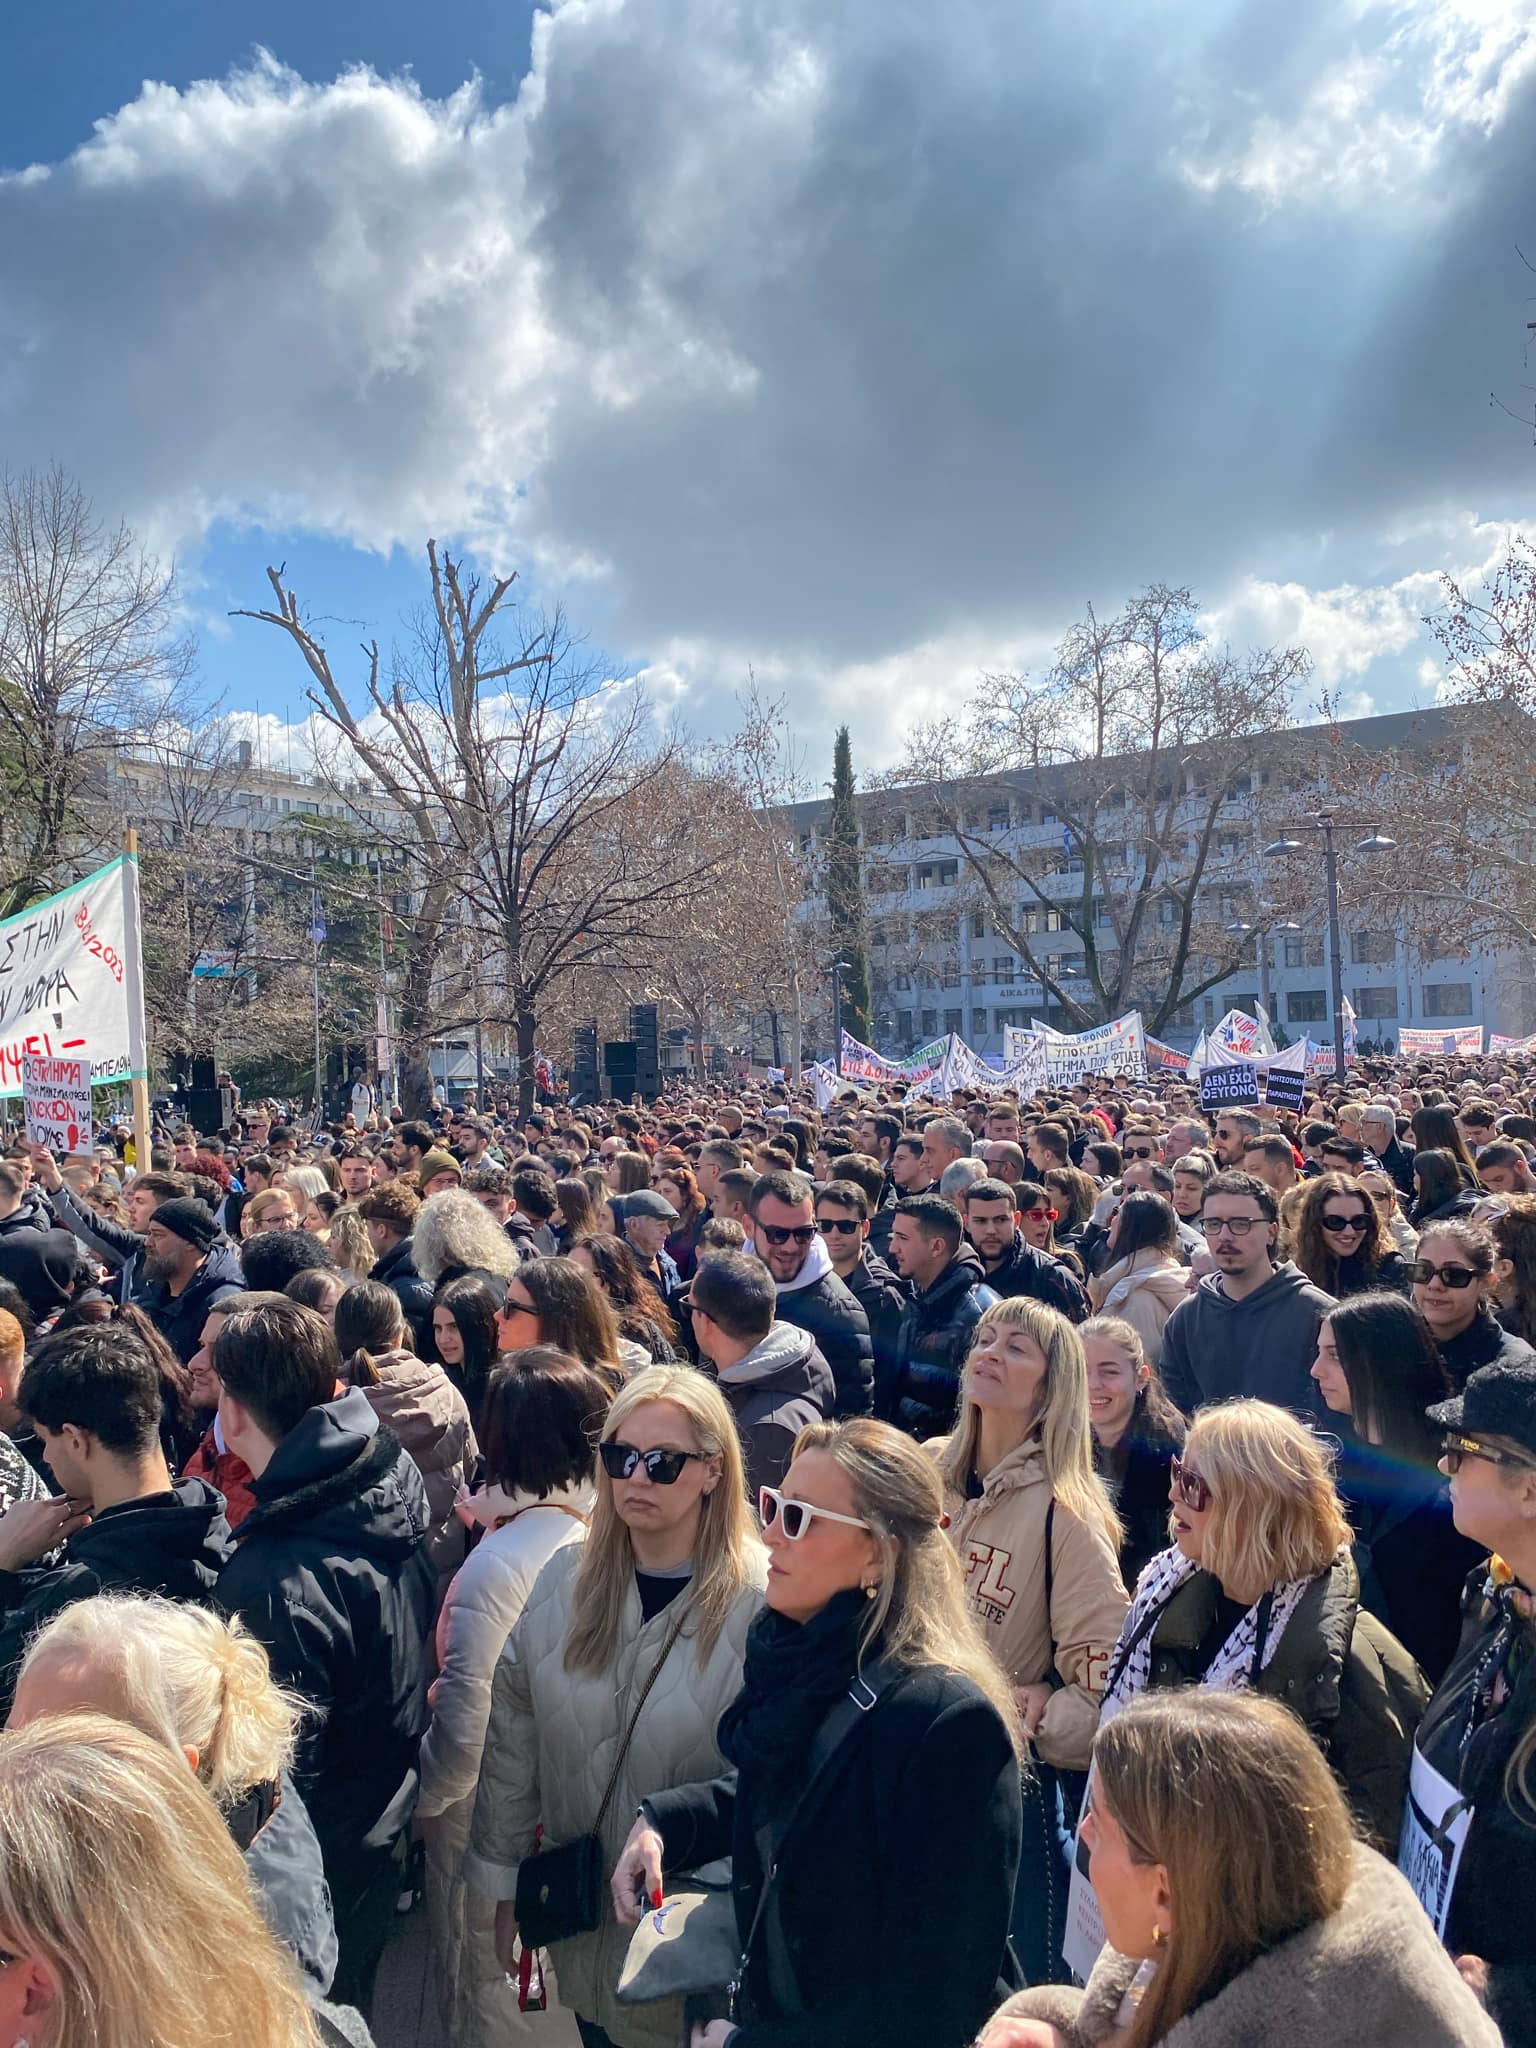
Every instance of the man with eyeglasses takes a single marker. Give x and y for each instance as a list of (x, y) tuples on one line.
[(771, 1373), (810, 1294), (1011, 1264), (844, 1221), (1249, 1328), (1235, 1129)]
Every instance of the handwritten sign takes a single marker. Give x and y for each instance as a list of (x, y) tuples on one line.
[(1228, 1087), (71, 977), (56, 1097)]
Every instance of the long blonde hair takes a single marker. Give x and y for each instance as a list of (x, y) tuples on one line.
[(727, 1545), (184, 1675), (1066, 1435), (922, 1612), (349, 1243), (1228, 1792), (118, 1874), (1275, 1512)]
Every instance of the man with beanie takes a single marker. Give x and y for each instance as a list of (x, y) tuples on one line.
[(187, 1268)]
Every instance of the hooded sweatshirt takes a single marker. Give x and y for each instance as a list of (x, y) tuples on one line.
[(781, 1384), (1215, 1349), (420, 1405)]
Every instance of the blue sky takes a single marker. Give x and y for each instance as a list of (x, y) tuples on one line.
[(859, 346)]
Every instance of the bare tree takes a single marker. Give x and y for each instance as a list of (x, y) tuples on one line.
[(1112, 801), (769, 770), (532, 787), (89, 654)]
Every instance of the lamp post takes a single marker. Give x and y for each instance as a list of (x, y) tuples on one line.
[(839, 969), (1377, 842)]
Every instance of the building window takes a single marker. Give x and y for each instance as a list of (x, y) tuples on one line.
[(1375, 1002), (1306, 1006), (1295, 951), (953, 1020), (1372, 949), (978, 1023), (1244, 1000), (1448, 999), (1167, 910), (997, 818), (930, 1024), (979, 925), (1047, 817)]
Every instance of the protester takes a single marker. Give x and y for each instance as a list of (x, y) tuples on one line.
[(1383, 1192), (1013, 1266), (390, 1214), (271, 1209), (418, 1404), (1514, 1266), (453, 1236), (809, 1292), (558, 1301), (1447, 1189), (645, 1220), (637, 1633), (577, 1212), (464, 1327), (1259, 1592), (319, 1288), (1144, 1282), (331, 1573), (202, 1686), (775, 1380), (542, 1414), (1249, 1328), (1377, 1366), (1453, 1287), (899, 1824), (938, 1323), (1136, 1433), (1474, 1785), (643, 1317), (1230, 1918), (677, 1186), (268, 1262)]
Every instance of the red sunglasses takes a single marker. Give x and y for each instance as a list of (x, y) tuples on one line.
[(1040, 1215)]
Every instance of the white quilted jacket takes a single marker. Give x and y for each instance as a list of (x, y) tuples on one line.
[(550, 1746)]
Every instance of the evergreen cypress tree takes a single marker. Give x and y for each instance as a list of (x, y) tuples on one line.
[(845, 891)]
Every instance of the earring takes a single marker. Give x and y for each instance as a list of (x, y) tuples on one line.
[(872, 1592), (1159, 1936)]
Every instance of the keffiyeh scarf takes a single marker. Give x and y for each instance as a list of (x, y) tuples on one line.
[(1236, 1664)]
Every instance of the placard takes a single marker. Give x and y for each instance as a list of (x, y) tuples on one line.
[(1232, 1087), (1284, 1087), (71, 979), (56, 1103)]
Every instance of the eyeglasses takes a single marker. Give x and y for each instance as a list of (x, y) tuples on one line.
[(1422, 1271), (1189, 1486), (1141, 1152), (1339, 1224), (516, 1308), (1040, 1215), (1239, 1226), (783, 1233), (843, 1226), (662, 1467), (1455, 1448), (794, 1517)]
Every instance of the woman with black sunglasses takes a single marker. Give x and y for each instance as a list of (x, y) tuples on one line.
[(1341, 1241), (873, 1812), (637, 1633), (1453, 1284)]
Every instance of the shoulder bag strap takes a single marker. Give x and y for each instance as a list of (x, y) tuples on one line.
[(1052, 1677), (618, 1762)]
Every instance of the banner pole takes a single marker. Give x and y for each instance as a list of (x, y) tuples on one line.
[(139, 1083)]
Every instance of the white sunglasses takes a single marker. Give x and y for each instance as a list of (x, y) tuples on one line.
[(794, 1517)]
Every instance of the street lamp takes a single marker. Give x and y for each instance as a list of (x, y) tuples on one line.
[(838, 969), (1378, 842)]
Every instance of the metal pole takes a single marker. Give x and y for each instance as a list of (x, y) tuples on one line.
[(1261, 948), (837, 1015), (1332, 862), (314, 941)]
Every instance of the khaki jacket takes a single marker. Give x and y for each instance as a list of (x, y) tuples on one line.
[(1000, 1538), (1143, 1291), (550, 1747)]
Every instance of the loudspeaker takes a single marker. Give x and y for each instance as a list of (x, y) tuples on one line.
[(205, 1110), (584, 1065), (619, 1067), (205, 1073)]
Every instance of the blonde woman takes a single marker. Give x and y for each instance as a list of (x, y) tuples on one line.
[(1259, 1592), (126, 1918), (1037, 1537), (350, 1245), (1247, 1913), (203, 1687), (641, 1630), (454, 1234), (876, 1743)]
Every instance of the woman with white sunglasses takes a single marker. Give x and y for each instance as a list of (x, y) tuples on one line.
[(612, 1683), (872, 1816)]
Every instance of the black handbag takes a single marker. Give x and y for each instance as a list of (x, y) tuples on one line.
[(560, 1890)]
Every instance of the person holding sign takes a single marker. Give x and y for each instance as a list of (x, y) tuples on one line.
[(1469, 1831), (1237, 1903)]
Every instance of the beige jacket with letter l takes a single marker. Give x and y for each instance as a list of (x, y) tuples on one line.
[(550, 1747), (1000, 1538)]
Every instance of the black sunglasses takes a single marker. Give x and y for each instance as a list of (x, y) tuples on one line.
[(781, 1233), (1342, 1223), (1455, 1448), (1140, 1152), (662, 1468), (1422, 1271), (844, 1226)]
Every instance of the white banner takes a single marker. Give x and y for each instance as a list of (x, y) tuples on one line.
[(824, 1080), (1462, 1043), (1243, 1036), (71, 979), (1209, 1053), (1519, 1048), (860, 1062), (56, 1095), (1119, 1047)]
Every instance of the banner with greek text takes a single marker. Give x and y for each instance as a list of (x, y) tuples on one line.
[(1516, 1048), (72, 979), (1463, 1043), (1119, 1047)]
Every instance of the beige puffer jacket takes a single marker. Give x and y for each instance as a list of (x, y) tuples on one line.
[(418, 1404), (1000, 1538), (550, 1747), (1143, 1290)]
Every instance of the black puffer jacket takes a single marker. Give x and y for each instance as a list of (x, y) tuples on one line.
[(935, 1335), (827, 1311), (1484, 1341), (1023, 1270), (173, 1543), (180, 1317), (882, 1296), (331, 1572), (397, 1270)]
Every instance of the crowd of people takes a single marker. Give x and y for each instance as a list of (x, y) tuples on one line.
[(1048, 1572)]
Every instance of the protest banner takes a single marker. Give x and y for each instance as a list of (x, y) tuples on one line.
[(1284, 1087), (71, 979), (1232, 1086), (1119, 1047), (1514, 1048), (1462, 1043), (56, 1103), (1165, 1056)]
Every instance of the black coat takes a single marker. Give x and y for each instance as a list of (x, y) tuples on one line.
[(1351, 1276), (173, 1543), (331, 1573), (883, 1222), (882, 1295), (180, 1317), (1412, 1559), (1485, 1341), (1141, 1500), (895, 1875), (1397, 1160), (397, 1270), (43, 1265), (1023, 1270), (932, 1342), (827, 1311)]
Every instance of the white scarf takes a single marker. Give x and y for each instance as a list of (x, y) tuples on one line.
[(1232, 1669), (818, 1260)]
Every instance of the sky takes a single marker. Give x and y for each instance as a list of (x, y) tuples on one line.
[(854, 347)]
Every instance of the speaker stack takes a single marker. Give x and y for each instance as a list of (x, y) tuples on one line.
[(644, 1029)]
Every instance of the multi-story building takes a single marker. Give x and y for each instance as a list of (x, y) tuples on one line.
[(949, 970)]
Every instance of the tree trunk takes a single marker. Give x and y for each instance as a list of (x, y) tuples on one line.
[(527, 1034), (413, 1033)]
